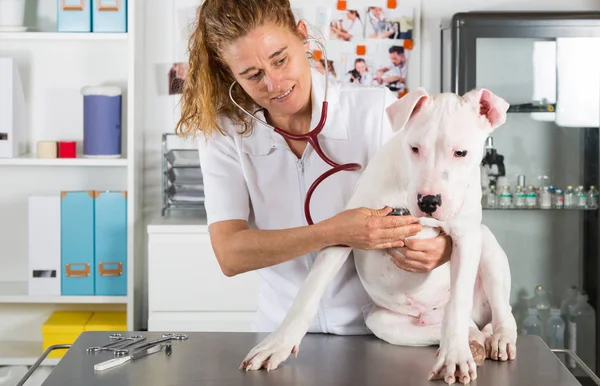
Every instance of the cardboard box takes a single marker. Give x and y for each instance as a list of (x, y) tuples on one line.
[(74, 15), (109, 16)]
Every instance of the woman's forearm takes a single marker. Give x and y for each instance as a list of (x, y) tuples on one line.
[(250, 249)]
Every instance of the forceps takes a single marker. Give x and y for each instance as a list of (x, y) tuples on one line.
[(117, 340), (163, 338)]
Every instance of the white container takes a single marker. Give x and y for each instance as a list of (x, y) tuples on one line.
[(12, 110), (12, 15), (44, 244)]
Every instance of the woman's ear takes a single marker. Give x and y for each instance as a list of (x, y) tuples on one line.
[(303, 31)]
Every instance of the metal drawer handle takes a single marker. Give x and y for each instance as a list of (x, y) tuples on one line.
[(82, 272), (109, 7), (72, 7), (116, 271)]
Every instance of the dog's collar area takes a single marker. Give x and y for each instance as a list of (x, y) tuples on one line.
[(399, 212)]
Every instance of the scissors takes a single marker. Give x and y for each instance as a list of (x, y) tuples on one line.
[(311, 137)]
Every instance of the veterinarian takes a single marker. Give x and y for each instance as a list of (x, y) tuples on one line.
[(256, 181)]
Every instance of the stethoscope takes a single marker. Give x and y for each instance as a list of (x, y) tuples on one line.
[(311, 137)]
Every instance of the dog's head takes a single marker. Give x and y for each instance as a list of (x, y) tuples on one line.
[(443, 136)]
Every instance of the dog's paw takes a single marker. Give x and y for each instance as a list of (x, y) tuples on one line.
[(502, 345), (454, 363), (273, 350)]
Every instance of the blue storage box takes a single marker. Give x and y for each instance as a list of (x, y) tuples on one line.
[(77, 243), (74, 16), (111, 243), (109, 16)]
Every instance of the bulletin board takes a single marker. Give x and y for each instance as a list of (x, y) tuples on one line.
[(371, 42)]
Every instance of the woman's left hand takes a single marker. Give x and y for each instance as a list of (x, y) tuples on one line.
[(422, 255)]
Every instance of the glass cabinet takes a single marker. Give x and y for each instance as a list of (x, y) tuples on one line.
[(540, 173)]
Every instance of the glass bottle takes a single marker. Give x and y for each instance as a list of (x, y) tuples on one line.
[(545, 198), (569, 197), (555, 329), (592, 199), (581, 197), (532, 325), (492, 199), (582, 331), (559, 200), (505, 197), (531, 197), (520, 197)]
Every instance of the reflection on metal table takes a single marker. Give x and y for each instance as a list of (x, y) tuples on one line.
[(213, 358)]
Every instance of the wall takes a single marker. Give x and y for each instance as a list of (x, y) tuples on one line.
[(162, 109)]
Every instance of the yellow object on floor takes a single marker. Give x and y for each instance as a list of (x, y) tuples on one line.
[(64, 327)]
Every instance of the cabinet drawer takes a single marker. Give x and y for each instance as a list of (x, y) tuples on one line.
[(184, 275), (201, 321)]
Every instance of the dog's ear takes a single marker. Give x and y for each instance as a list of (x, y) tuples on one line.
[(400, 112), (488, 105)]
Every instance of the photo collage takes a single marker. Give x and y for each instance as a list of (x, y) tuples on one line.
[(369, 45)]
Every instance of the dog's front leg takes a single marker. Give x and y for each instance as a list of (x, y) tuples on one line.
[(454, 354), (277, 347)]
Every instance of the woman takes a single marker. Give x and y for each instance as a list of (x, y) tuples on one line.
[(255, 180)]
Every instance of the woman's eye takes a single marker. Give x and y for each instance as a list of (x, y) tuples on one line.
[(414, 149), (255, 76), (460, 153), (281, 61)]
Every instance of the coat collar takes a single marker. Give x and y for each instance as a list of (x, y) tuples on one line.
[(263, 138)]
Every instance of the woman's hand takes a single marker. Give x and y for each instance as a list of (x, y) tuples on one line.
[(422, 255), (364, 228)]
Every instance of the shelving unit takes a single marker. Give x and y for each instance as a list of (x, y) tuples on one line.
[(32, 160), (54, 67)]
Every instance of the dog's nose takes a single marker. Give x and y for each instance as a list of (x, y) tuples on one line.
[(428, 204)]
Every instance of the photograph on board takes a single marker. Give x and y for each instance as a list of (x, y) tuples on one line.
[(385, 23), (347, 25)]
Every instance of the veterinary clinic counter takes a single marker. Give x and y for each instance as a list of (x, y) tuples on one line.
[(187, 291), (214, 359)]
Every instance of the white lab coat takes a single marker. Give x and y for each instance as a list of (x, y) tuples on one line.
[(258, 178)]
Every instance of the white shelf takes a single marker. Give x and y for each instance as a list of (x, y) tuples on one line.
[(62, 36), (16, 292), (15, 353), (32, 160)]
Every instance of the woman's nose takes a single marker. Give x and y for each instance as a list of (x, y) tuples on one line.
[(272, 82)]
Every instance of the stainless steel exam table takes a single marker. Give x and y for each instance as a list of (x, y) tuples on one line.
[(208, 358)]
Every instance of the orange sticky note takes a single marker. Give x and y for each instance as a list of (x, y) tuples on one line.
[(361, 50), (391, 4), (408, 44), (317, 54), (402, 93), (341, 5)]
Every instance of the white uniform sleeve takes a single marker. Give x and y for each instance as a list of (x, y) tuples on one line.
[(386, 127), (225, 189)]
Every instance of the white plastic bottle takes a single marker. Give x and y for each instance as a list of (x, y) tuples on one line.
[(555, 329), (532, 325), (568, 299), (541, 301), (582, 331)]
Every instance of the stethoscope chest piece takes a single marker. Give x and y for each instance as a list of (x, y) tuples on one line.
[(399, 212)]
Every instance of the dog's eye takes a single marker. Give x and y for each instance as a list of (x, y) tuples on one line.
[(460, 153), (414, 149)]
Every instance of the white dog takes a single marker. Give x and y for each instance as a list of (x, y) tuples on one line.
[(430, 167)]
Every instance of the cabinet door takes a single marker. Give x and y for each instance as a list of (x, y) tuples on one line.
[(184, 275)]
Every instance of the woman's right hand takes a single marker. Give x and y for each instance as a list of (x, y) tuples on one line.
[(365, 228)]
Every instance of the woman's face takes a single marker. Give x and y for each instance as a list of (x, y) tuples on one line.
[(270, 64), (360, 67)]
